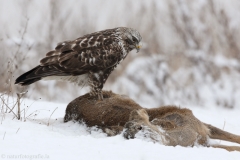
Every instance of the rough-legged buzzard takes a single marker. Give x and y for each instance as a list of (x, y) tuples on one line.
[(88, 60)]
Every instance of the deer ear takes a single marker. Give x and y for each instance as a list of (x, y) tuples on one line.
[(143, 114), (140, 114)]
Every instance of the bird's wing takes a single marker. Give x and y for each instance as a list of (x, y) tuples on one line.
[(92, 52)]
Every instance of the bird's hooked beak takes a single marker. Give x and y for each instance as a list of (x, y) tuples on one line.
[(138, 46)]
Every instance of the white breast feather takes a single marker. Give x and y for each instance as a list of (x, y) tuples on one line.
[(81, 80), (123, 49)]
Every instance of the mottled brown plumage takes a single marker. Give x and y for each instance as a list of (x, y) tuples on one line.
[(88, 60)]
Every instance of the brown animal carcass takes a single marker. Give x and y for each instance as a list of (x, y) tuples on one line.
[(169, 125)]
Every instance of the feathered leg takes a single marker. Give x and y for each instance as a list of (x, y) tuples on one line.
[(96, 81)]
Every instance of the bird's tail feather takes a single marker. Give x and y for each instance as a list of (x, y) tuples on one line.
[(37, 74)]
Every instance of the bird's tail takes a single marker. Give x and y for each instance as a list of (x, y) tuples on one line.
[(37, 74), (28, 77)]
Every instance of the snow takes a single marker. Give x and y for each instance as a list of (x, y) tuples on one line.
[(35, 139), (202, 74)]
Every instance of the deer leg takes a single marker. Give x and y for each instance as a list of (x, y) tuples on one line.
[(228, 148), (216, 133)]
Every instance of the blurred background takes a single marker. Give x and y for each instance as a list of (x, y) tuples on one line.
[(190, 54)]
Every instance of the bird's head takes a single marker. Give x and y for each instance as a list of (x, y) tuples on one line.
[(133, 38)]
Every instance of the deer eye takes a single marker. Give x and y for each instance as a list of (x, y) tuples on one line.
[(139, 127)]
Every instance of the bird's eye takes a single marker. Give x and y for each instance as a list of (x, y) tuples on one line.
[(134, 39), (129, 41)]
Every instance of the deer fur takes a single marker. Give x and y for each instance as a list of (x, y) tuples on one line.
[(169, 124)]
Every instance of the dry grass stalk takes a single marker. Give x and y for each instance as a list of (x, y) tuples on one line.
[(51, 115)]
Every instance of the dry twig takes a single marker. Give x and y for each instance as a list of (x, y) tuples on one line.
[(51, 116)]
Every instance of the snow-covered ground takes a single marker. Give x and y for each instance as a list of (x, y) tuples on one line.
[(35, 139), (190, 57)]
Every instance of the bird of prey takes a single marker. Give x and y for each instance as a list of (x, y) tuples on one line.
[(88, 60)]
